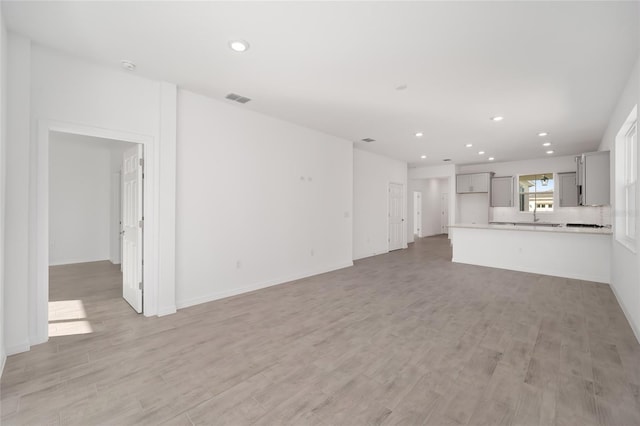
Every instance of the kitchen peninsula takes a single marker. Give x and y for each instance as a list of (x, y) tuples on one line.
[(548, 249)]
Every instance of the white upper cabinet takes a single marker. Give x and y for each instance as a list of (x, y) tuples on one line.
[(593, 178), (502, 191), (471, 183), (567, 189), (463, 183)]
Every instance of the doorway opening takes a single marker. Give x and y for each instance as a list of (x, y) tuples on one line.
[(95, 230), (432, 205)]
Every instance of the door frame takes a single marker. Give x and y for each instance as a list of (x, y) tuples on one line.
[(403, 205), (39, 222)]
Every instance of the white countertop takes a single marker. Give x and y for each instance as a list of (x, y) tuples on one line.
[(533, 228)]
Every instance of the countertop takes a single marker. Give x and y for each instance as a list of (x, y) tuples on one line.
[(534, 228)]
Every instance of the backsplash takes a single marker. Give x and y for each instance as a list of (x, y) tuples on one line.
[(600, 215)]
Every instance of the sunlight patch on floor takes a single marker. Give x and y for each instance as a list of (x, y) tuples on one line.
[(69, 328), (67, 317)]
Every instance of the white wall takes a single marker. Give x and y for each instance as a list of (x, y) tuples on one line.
[(115, 175), (414, 185), (625, 265), (470, 204), (48, 89), (79, 199), (432, 206), (473, 208), (372, 174), (432, 190), (259, 201), (16, 260), (3, 165)]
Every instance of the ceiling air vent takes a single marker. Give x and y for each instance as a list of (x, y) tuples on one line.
[(368, 140), (237, 98)]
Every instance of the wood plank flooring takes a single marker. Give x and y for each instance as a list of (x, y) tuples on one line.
[(403, 338)]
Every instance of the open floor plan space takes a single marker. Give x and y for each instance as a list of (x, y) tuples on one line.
[(402, 338)]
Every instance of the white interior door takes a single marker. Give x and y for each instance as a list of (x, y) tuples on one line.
[(417, 214), (444, 213), (132, 227), (395, 216)]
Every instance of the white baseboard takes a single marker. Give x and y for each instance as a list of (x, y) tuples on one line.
[(167, 310), (71, 262), (257, 286), (38, 339), (19, 348), (634, 327), (3, 361), (364, 256)]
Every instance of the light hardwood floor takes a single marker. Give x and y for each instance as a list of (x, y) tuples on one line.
[(402, 338)]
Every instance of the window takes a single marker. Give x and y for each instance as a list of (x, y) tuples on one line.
[(536, 192), (626, 166)]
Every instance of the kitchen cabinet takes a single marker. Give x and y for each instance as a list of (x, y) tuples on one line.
[(592, 175), (567, 189), (472, 183), (502, 191), (463, 183)]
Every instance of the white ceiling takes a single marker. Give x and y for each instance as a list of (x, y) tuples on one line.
[(334, 66)]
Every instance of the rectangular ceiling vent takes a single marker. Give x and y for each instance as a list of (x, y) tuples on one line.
[(237, 98), (368, 140)]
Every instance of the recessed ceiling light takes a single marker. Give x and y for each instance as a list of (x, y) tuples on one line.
[(128, 65), (239, 45), (490, 158), (423, 156), (480, 152), (543, 134), (469, 145), (497, 118), (550, 152), (419, 134), (546, 144)]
